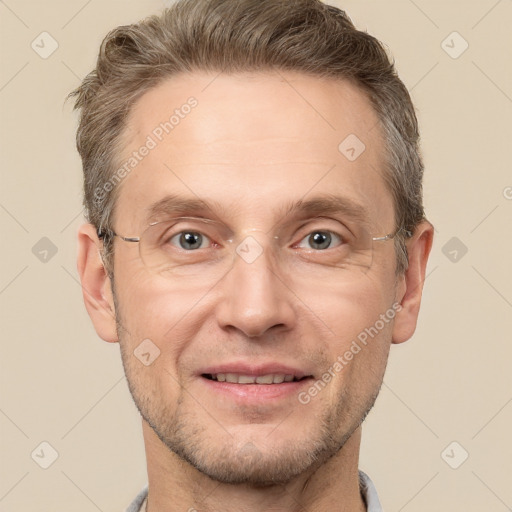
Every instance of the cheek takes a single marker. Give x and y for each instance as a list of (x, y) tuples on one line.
[(155, 333), (359, 330), (167, 313), (348, 307)]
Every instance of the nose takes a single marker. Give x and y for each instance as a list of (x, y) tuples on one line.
[(254, 297)]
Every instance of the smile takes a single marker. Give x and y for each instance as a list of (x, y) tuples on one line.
[(238, 378)]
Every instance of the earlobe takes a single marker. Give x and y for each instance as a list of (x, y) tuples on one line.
[(96, 285), (411, 287)]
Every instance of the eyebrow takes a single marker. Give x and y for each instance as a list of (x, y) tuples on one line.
[(172, 205), (325, 204)]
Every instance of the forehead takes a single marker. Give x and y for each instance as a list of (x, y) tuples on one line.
[(252, 140)]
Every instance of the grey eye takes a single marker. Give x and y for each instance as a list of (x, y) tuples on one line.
[(320, 240), (189, 240)]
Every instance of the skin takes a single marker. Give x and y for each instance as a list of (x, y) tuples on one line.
[(253, 144)]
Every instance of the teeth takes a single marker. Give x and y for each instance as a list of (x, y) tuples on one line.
[(271, 378), (246, 379), (265, 379)]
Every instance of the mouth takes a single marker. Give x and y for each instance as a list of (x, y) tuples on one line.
[(255, 385), (238, 378)]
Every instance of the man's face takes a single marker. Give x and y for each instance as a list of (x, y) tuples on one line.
[(254, 145)]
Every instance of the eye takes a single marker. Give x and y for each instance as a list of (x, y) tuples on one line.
[(189, 240), (320, 240)]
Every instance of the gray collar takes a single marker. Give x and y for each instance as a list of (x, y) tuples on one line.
[(368, 492)]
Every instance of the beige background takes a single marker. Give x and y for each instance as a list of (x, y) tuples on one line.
[(451, 382)]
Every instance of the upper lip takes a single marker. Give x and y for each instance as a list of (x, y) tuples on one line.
[(255, 370)]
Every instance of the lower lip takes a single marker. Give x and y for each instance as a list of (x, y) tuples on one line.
[(257, 392)]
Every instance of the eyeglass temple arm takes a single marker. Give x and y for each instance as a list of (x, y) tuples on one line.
[(102, 234), (408, 234)]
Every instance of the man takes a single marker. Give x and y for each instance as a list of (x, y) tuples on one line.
[(256, 242)]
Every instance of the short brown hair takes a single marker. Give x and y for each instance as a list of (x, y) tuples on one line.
[(235, 36)]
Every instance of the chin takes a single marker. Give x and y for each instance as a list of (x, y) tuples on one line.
[(250, 465), (252, 455)]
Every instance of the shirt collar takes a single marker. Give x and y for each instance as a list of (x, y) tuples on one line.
[(368, 492)]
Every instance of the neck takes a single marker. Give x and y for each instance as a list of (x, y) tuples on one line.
[(174, 485)]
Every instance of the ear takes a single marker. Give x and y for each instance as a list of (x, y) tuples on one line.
[(410, 285), (96, 285)]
